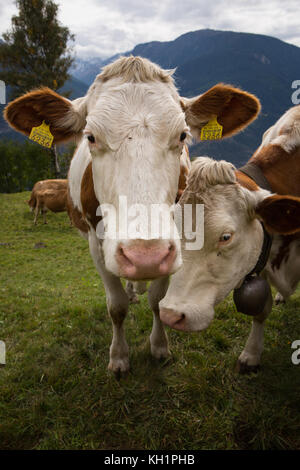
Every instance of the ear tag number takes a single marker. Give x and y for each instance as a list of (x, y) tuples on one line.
[(212, 130), (42, 135)]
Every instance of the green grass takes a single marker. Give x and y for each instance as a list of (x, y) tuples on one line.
[(56, 392)]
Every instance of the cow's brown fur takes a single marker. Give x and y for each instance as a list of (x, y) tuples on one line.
[(76, 216), (237, 109), (246, 181), (40, 105), (284, 250), (274, 210), (54, 200), (282, 169), (89, 201), (43, 185)]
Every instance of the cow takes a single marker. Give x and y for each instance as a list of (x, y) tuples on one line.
[(131, 129), (54, 200), (49, 195), (234, 238)]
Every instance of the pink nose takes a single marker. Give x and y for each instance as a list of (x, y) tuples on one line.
[(173, 318), (146, 259)]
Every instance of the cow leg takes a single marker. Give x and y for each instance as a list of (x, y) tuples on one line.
[(249, 359), (117, 305), (279, 299), (36, 212), (44, 211), (158, 336)]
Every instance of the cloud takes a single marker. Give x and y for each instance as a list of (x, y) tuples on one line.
[(107, 27)]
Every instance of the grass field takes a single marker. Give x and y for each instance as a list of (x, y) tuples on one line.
[(56, 392)]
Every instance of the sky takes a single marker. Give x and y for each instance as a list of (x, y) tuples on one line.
[(106, 27)]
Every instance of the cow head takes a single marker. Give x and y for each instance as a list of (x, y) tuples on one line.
[(233, 238), (133, 124)]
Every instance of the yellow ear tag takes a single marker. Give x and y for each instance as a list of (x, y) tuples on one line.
[(42, 135), (212, 130)]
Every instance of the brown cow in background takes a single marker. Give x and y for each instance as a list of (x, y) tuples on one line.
[(49, 195)]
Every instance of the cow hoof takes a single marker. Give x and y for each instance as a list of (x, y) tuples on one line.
[(245, 368), (160, 352), (120, 367), (279, 299)]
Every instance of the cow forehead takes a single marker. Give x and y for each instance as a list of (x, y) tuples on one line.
[(119, 110)]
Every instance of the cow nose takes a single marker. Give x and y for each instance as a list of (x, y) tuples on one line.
[(146, 259), (172, 318)]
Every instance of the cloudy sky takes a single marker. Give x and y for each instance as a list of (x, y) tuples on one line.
[(106, 27)]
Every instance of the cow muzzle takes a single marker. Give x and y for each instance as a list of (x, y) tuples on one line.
[(178, 320), (146, 259)]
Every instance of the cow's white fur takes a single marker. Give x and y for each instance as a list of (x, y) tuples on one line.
[(229, 208), (285, 132)]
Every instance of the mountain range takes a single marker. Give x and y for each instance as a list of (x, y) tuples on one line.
[(260, 64)]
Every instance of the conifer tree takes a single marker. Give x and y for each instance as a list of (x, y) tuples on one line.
[(36, 50)]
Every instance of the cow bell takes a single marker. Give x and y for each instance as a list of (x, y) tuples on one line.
[(252, 296)]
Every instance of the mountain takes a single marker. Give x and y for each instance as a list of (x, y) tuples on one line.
[(86, 70), (260, 64)]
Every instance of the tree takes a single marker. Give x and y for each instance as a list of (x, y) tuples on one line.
[(36, 51)]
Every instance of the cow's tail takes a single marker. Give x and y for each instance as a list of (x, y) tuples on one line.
[(32, 202)]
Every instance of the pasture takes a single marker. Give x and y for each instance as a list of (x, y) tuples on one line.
[(56, 392)]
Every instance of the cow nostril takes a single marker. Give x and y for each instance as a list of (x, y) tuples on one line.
[(122, 254), (181, 319)]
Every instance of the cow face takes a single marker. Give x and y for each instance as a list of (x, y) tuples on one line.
[(233, 238), (133, 125)]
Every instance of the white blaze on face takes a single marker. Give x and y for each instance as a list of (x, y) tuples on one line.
[(232, 244), (136, 150)]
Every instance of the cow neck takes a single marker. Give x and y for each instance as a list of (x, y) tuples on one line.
[(252, 171), (255, 173)]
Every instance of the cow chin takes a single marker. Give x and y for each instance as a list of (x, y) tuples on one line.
[(186, 318)]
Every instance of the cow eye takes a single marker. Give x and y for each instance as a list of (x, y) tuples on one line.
[(91, 138), (182, 136), (225, 238)]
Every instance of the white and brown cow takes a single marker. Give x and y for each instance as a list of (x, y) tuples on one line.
[(234, 205), (131, 127)]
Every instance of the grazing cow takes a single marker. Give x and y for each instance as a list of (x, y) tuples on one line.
[(234, 241), (131, 128), (54, 200), (49, 195)]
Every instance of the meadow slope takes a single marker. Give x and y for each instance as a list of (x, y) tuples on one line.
[(56, 392)]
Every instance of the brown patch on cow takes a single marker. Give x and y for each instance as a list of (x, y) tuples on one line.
[(40, 105), (89, 201), (280, 168), (246, 181), (284, 250), (234, 108), (184, 171), (75, 216), (280, 214)]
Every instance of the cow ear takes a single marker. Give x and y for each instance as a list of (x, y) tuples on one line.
[(64, 117), (280, 214), (233, 108)]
